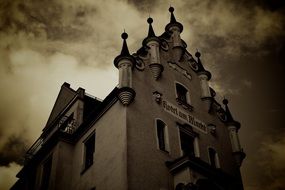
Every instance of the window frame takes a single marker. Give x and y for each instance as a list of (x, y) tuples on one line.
[(216, 163), (165, 136), (188, 131), (185, 104), (85, 142)]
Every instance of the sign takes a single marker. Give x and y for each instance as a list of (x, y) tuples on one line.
[(180, 114)]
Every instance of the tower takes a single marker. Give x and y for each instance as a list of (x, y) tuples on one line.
[(160, 128)]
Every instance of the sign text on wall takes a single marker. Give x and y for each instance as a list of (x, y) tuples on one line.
[(189, 119)]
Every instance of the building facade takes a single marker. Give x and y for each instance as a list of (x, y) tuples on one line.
[(159, 129)]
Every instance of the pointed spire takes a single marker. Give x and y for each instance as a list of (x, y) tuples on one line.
[(230, 119), (172, 17), (201, 68), (200, 65), (228, 113), (150, 29), (173, 21), (125, 49), (124, 52), (151, 35)]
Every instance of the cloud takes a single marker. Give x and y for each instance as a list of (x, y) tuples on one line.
[(76, 41), (247, 83), (273, 154), (7, 175)]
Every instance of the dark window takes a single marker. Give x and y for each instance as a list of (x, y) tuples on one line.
[(160, 126), (46, 173), (187, 144), (181, 93), (212, 157), (89, 151)]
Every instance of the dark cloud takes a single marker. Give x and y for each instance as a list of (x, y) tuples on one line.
[(13, 150), (44, 43)]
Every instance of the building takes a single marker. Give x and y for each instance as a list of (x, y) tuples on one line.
[(160, 128)]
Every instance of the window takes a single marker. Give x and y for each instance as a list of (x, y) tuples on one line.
[(213, 158), (181, 92), (187, 144), (46, 174), (161, 131), (89, 146), (182, 96)]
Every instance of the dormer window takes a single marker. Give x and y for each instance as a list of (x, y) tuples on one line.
[(182, 96)]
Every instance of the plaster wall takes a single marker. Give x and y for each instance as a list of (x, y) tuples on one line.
[(109, 167), (146, 163)]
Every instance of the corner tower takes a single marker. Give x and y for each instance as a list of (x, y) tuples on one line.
[(125, 63)]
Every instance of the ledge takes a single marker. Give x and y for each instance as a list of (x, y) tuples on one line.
[(184, 104)]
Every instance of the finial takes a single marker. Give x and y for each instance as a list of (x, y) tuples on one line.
[(198, 54), (124, 35), (149, 20), (201, 68), (228, 112), (150, 29), (225, 101), (171, 9)]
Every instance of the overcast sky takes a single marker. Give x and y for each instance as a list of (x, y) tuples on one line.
[(44, 43)]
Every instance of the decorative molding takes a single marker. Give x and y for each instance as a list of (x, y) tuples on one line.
[(184, 104), (164, 45), (179, 69), (139, 64), (156, 70), (157, 96), (191, 61), (126, 95), (222, 115), (212, 128)]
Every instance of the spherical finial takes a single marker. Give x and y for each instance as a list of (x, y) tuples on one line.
[(124, 35), (225, 101), (149, 20), (198, 54), (171, 9)]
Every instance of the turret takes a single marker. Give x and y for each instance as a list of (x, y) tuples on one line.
[(125, 63), (233, 127), (204, 76), (153, 43), (175, 28)]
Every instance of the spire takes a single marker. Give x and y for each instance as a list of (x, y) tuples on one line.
[(125, 49), (201, 68), (200, 65), (230, 119), (151, 35), (173, 21), (124, 52), (150, 29), (172, 17)]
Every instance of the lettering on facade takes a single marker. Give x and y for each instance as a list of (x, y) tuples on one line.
[(189, 119)]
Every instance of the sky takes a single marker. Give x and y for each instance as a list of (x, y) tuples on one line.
[(44, 43)]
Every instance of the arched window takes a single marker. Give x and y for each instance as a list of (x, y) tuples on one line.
[(213, 158), (162, 138)]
